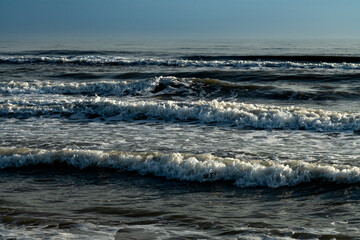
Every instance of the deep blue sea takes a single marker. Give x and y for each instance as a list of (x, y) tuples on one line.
[(202, 139)]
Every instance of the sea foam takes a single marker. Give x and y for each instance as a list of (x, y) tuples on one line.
[(100, 88), (189, 167), (236, 114)]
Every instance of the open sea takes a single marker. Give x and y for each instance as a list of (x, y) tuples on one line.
[(180, 139)]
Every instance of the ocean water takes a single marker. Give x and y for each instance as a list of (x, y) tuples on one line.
[(180, 139)]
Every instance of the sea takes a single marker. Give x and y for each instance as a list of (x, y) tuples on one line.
[(180, 139)]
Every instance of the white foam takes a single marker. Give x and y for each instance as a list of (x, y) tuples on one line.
[(118, 88), (189, 167), (237, 114), (238, 64), (100, 88)]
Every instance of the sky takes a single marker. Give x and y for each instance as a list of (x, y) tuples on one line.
[(216, 19)]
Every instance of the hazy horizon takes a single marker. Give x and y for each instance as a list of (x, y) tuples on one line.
[(211, 19)]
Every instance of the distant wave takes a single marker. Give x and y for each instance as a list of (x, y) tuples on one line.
[(65, 52), (235, 114), (287, 58), (107, 53), (180, 62), (188, 167)]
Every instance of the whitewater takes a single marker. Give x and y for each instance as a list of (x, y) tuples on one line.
[(166, 140)]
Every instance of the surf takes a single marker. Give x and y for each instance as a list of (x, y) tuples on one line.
[(235, 114), (187, 167)]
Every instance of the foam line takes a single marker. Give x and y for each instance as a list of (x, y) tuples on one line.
[(188, 167), (180, 62), (236, 114)]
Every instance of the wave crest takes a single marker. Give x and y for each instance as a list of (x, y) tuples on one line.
[(236, 114), (173, 86), (189, 167), (91, 88)]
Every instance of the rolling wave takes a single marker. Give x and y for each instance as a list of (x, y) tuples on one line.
[(88, 88), (181, 62), (188, 167), (173, 86), (235, 114), (158, 85)]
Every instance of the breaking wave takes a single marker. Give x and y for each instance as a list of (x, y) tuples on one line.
[(188, 167), (235, 114), (243, 63), (88, 88), (174, 86)]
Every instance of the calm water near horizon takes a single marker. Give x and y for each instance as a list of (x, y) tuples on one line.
[(201, 139)]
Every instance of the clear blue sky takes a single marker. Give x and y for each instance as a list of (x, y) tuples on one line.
[(180, 18)]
